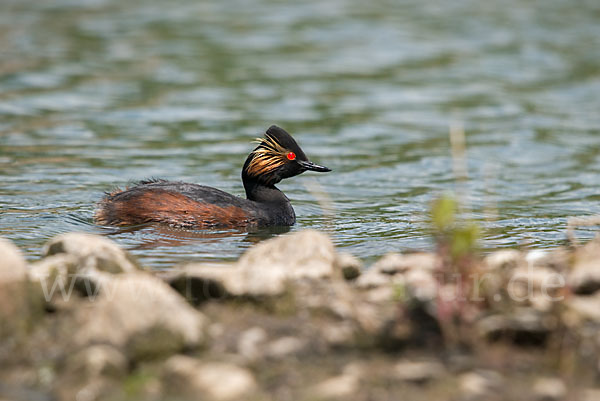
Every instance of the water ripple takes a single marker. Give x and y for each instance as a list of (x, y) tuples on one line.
[(100, 93)]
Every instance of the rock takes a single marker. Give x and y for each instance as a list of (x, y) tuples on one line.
[(480, 385), (584, 277), (385, 294), (536, 257), (418, 372), (513, 279), (18, 304), (393, 263), (140, 314), (373, 279), (216, 381), (99, 360), (537, 286), (263, 271), (92, 252), (525, 326), (96, 389), (12, 264), (535, 278), (389, 263), (396, 309), (342, 386), (78, 262), (590, 394), (350, 318), (422, 261), (549, 389), (251, 343), (284, 347), (349, 265), (421, 285), (303, 254), (200, 282), (503, 260), (59, 265), (558, 259), (541, 302), (585, 307), (338, 335), (54, 276), (334, 299)]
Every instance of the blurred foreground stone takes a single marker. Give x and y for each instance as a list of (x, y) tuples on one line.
[(212, 380), (584, 277), (264, 270), (78, 262), (20, 304), (140, 314), (92, 252)]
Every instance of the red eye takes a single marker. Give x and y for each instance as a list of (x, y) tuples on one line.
[(291, 156)]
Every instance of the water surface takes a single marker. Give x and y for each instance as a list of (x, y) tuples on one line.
[(99, 93)]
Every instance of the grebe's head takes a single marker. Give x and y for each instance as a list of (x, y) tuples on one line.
[(277, 156)]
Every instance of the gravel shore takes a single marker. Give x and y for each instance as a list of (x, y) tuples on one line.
[(294, 319)]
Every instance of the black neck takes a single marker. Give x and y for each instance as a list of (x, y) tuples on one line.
[(271, 204), (259, 192)]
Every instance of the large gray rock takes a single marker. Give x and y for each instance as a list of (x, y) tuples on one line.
[(303, 254), (263, 271), (199, 282), (217, 381), (139, 314)]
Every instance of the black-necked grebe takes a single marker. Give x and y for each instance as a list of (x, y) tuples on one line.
[(181, 204)]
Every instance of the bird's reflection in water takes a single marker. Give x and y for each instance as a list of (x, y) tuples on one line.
[(155, 236)]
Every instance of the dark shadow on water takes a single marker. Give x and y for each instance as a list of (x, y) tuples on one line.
[(261, 234), (155, 236)]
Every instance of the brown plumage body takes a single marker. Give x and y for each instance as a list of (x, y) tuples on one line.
[(146, 204)]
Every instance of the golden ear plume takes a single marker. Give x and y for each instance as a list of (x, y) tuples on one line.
[(268, 156)]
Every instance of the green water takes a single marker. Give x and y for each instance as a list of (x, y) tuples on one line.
[(98, 93)]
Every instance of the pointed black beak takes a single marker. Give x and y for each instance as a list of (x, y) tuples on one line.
[(312, 166)]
